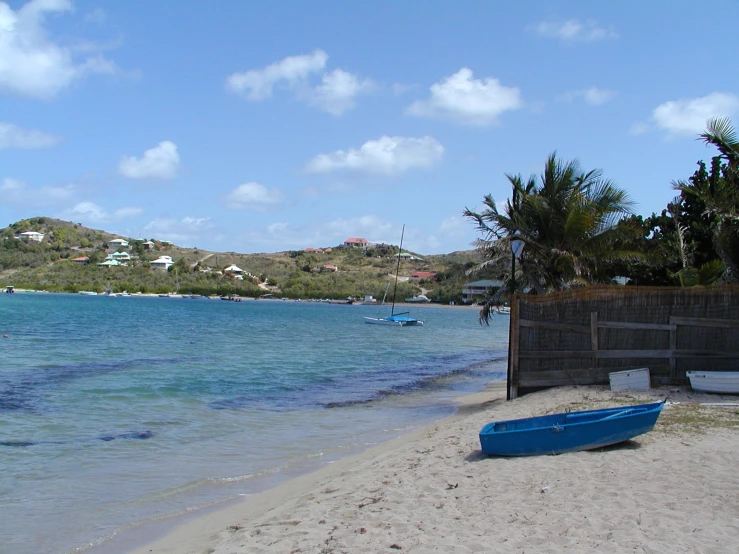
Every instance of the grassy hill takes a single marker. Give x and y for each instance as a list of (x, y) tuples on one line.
[(49, 265)]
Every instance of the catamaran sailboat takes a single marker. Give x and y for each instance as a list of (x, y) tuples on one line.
[(401, 319)]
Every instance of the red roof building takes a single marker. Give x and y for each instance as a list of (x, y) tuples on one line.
[(356, 242), (421, 275)]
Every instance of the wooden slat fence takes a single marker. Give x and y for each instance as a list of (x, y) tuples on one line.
[(579, 337)]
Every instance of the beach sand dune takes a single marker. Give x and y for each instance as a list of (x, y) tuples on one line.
[(675, 489)]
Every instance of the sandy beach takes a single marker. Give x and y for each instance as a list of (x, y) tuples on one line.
[(671, 490)]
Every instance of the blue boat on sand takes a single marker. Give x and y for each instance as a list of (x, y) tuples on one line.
[(569, 431)]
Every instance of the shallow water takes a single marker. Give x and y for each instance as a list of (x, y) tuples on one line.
[(115, 412)]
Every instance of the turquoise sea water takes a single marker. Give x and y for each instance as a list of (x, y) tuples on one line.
[(119, 412)]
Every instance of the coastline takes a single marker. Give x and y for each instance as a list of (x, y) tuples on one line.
[(431, 490)]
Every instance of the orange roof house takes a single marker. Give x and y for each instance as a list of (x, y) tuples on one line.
[(421, 275), (356, 243)]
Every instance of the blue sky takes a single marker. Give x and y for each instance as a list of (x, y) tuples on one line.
[(270, 126)]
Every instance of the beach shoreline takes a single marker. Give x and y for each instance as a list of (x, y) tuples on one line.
[(432, 491)]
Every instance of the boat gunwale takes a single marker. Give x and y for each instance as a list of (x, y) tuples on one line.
[(489, 428)]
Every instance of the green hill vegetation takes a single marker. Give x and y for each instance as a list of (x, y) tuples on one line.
[(58, 264)]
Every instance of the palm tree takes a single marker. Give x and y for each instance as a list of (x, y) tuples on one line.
[(567, 220), (720, 192)]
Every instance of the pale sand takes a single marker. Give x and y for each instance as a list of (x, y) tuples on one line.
[(675, 489)]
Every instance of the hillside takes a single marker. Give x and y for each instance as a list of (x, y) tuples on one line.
[(57, 263)]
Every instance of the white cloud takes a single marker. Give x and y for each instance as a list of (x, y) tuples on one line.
[(385, 156), (254, 196), (89, 212), (689, 116), (335, 94), (574, 30), (593, 96), (467, 100), (160, 162), (30, 63), (338, 90), (13, 136), (186, 231), (14, 191), (258, 84)]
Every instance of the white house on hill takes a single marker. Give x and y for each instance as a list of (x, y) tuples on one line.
[(162, 262), (117, 243), (31, 236)]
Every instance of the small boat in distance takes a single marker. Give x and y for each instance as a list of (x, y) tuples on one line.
[(569, 431), (401, 319), (418, 298), (726, 382), (88, 293)]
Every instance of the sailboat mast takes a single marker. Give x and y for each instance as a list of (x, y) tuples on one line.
[(397, 270)]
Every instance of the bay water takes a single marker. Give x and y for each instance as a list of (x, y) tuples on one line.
[(121, 413)]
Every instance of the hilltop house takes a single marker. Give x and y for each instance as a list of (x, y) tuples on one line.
[(356, 243), (117, 243), (110, 263), (162, 262), (120, 256), (31, 236), (81, 260), (477, 290), (421, 275), (149, 245), (329, 267)]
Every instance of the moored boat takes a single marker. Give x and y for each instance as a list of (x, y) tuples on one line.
[(399, 319), (569, 431), (726, 382)]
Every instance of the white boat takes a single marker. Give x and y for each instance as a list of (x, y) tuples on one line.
[(726, 382), (399, 319), (88, 293), (418, 298), (503, 310)]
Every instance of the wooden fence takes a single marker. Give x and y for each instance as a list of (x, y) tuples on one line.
[(578, 337)]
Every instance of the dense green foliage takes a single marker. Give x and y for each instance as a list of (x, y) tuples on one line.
[(577, 229), (567, 220)]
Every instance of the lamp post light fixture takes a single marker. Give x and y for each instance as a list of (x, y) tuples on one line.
[(516, 249)]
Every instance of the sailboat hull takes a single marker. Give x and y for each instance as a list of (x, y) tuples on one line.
[(394, 320)]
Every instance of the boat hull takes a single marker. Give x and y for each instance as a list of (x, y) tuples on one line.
[(726, 382), (394, 321), (568, 432)]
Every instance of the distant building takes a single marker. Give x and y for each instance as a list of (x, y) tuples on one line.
[(234, 269), (31, 236), (477, 290), (125, 256), (330, 267), (110, 263), (421, 275), (149, 245), (162, 262), (356, 243), (117, 243), (81, 260)]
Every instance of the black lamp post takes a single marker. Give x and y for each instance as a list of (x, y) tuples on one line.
[(516, 249)]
